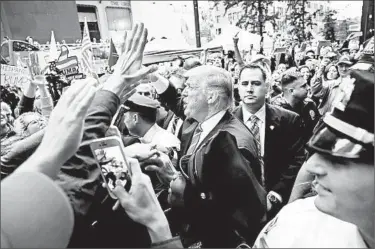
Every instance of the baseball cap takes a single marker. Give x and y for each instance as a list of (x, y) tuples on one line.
[(344, 60), (344, 50), (35, 212), (348, 130)]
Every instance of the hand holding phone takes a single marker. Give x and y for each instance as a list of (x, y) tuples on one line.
[(110, 157)]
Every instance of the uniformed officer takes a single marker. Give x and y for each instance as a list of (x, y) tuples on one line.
[(294, 98), (140, 120)]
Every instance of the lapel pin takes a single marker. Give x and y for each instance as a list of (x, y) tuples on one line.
[(272, 127)]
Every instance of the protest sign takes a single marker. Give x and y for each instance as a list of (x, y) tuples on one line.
[(14, 76), (321, 45)]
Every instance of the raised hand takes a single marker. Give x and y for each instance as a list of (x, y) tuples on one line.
[(128, 69), (64, 131), (236, 39)]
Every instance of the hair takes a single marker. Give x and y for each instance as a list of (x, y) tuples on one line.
[(325, 74), (178, 72), (289, 77), (20, 124), (256, 66), (191, 63), (215, 80), (149, 117)]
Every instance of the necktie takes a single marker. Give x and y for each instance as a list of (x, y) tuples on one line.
[(254, 128), (174, 124), (195, 140)]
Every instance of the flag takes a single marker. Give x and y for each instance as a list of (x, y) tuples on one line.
[(52, 49), (113, 55), (86, 51)]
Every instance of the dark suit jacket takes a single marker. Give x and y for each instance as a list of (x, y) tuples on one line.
[(238, 204), (283, 149), (234, 202)]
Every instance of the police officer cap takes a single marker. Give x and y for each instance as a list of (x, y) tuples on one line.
[(344, 50), (348, 130), (141, 104), (344, 60)]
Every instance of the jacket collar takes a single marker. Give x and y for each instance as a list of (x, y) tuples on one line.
[(227, 116), (272, 119)]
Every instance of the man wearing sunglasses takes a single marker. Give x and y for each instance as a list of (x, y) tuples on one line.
[(294, 98)]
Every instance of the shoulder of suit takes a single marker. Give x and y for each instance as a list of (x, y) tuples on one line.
[(239, 130), (282, 112)]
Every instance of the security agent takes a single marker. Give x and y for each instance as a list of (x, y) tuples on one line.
[(278, 133), (294, 98)]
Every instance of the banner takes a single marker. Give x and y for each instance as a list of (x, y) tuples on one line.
[(14, 76)]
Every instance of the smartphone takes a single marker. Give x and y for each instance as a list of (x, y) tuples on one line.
[(110, 158), (280, 50), (116, 121)]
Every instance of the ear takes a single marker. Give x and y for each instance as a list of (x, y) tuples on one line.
[(212, 97), (135, 117)]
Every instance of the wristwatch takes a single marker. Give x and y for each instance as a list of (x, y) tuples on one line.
[(273, 199)]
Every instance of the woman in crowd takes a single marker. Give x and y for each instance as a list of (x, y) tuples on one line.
[(331, 72)]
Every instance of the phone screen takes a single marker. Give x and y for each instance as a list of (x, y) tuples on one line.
[(113, 166), (116, 121)]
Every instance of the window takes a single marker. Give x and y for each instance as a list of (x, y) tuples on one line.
[(230, 17), (89, 12), (217, 19), (119, 19)]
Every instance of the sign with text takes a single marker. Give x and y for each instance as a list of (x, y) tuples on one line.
[(14, 76)]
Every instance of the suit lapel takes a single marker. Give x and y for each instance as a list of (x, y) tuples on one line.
[(188, 128), (219, 126), (238, 113), (271, 127)]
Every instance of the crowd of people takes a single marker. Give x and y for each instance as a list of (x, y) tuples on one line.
[(221, 151)]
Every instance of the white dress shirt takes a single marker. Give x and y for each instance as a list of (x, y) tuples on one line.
[(158, 135), (261, 115), (209, 124), (301, 225)]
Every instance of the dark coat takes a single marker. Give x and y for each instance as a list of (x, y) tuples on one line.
[(283, 149), (237, 206), (233, 205)]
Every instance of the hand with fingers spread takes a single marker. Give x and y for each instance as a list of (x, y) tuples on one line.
[(128, 69), (142, 205)]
